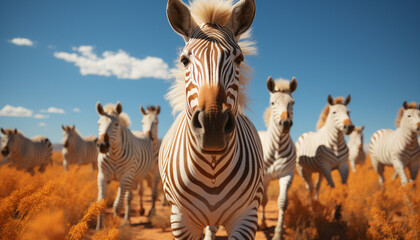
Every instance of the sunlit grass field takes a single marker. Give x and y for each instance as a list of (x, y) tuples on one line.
[(62, 205)]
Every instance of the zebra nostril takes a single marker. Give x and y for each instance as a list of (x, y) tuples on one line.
[(230, 124), (195, 121)]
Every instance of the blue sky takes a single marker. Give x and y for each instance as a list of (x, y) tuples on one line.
[(81, 52)]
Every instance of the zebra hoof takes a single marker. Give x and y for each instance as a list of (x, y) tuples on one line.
[(142, 211), (152, 212)]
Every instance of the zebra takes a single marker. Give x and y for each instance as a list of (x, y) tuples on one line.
[(24, 153), (78, 150), (326, 150), (150, 123), (355, 146), (122, 157), (279, 149), (210, 160), (398, 148)]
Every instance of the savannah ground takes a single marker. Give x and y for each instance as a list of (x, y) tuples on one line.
[(62, 205)]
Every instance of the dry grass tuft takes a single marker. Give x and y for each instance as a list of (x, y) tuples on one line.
[(161, 219), (367, 210)]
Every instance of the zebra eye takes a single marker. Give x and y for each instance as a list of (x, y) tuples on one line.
[(239, 59), (185, 60), (116, 124), (272, 103), (334, 112), (409, 115)]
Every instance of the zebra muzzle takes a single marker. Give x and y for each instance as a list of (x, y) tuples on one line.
[(5, 151), (348, 128), (287, 125), (212, 129), (103, 144)]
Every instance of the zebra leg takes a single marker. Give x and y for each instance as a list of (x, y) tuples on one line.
[(282, 201), (156, 180), (352, 165), (263, 204), (343, 169), (210, 232), (244, 227), (395, 175), (399, 168), (31, 171), (140, 187), (128, 196), (307, 176), (102, 185), (318, 185), (66, 165), (326, 171), (182, 228), (414, 169), (379, 169)]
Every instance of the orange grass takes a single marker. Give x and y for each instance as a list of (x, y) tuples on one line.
[(50, 205), (62, 205), (367, 210)]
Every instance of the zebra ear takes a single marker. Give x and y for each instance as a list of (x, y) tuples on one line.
[(330, 100), (270, 84), (405, 105), (243, 14), (158, 109), (347, 101), (118, 108), (16, 131), (293, 85), (74, 127), (180, 18), (63, 127), (2, 131), (99, 108), (142, 110), (362, 128)]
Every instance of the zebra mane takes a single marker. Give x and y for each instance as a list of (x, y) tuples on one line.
[(282, 85), (112, 110), (214, 12), (324, 114), (266, 116), (412, 105)]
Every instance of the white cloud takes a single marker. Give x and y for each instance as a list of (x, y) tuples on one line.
[(119, 64), (11, 111), (76, 110), (41, 116), (21, 41), (53, 110), (42, 124)]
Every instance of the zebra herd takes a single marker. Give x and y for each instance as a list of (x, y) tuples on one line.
[(212, 162)]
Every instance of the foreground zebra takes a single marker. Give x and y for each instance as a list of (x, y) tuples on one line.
[(326, 150), (279, 149), (78, 150), (211, 158), (356, 153), (123, 157), (150, 123), (24, 153), (398, 148)]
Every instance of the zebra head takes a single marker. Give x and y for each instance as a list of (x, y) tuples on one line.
[(411, 117), (68, 135), (109, 126), (10, 141), (356, 137), (340, 114), (150, 119), (281, 103), (211, 62)]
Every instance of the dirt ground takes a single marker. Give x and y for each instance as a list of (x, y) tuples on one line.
[(140, 227)]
